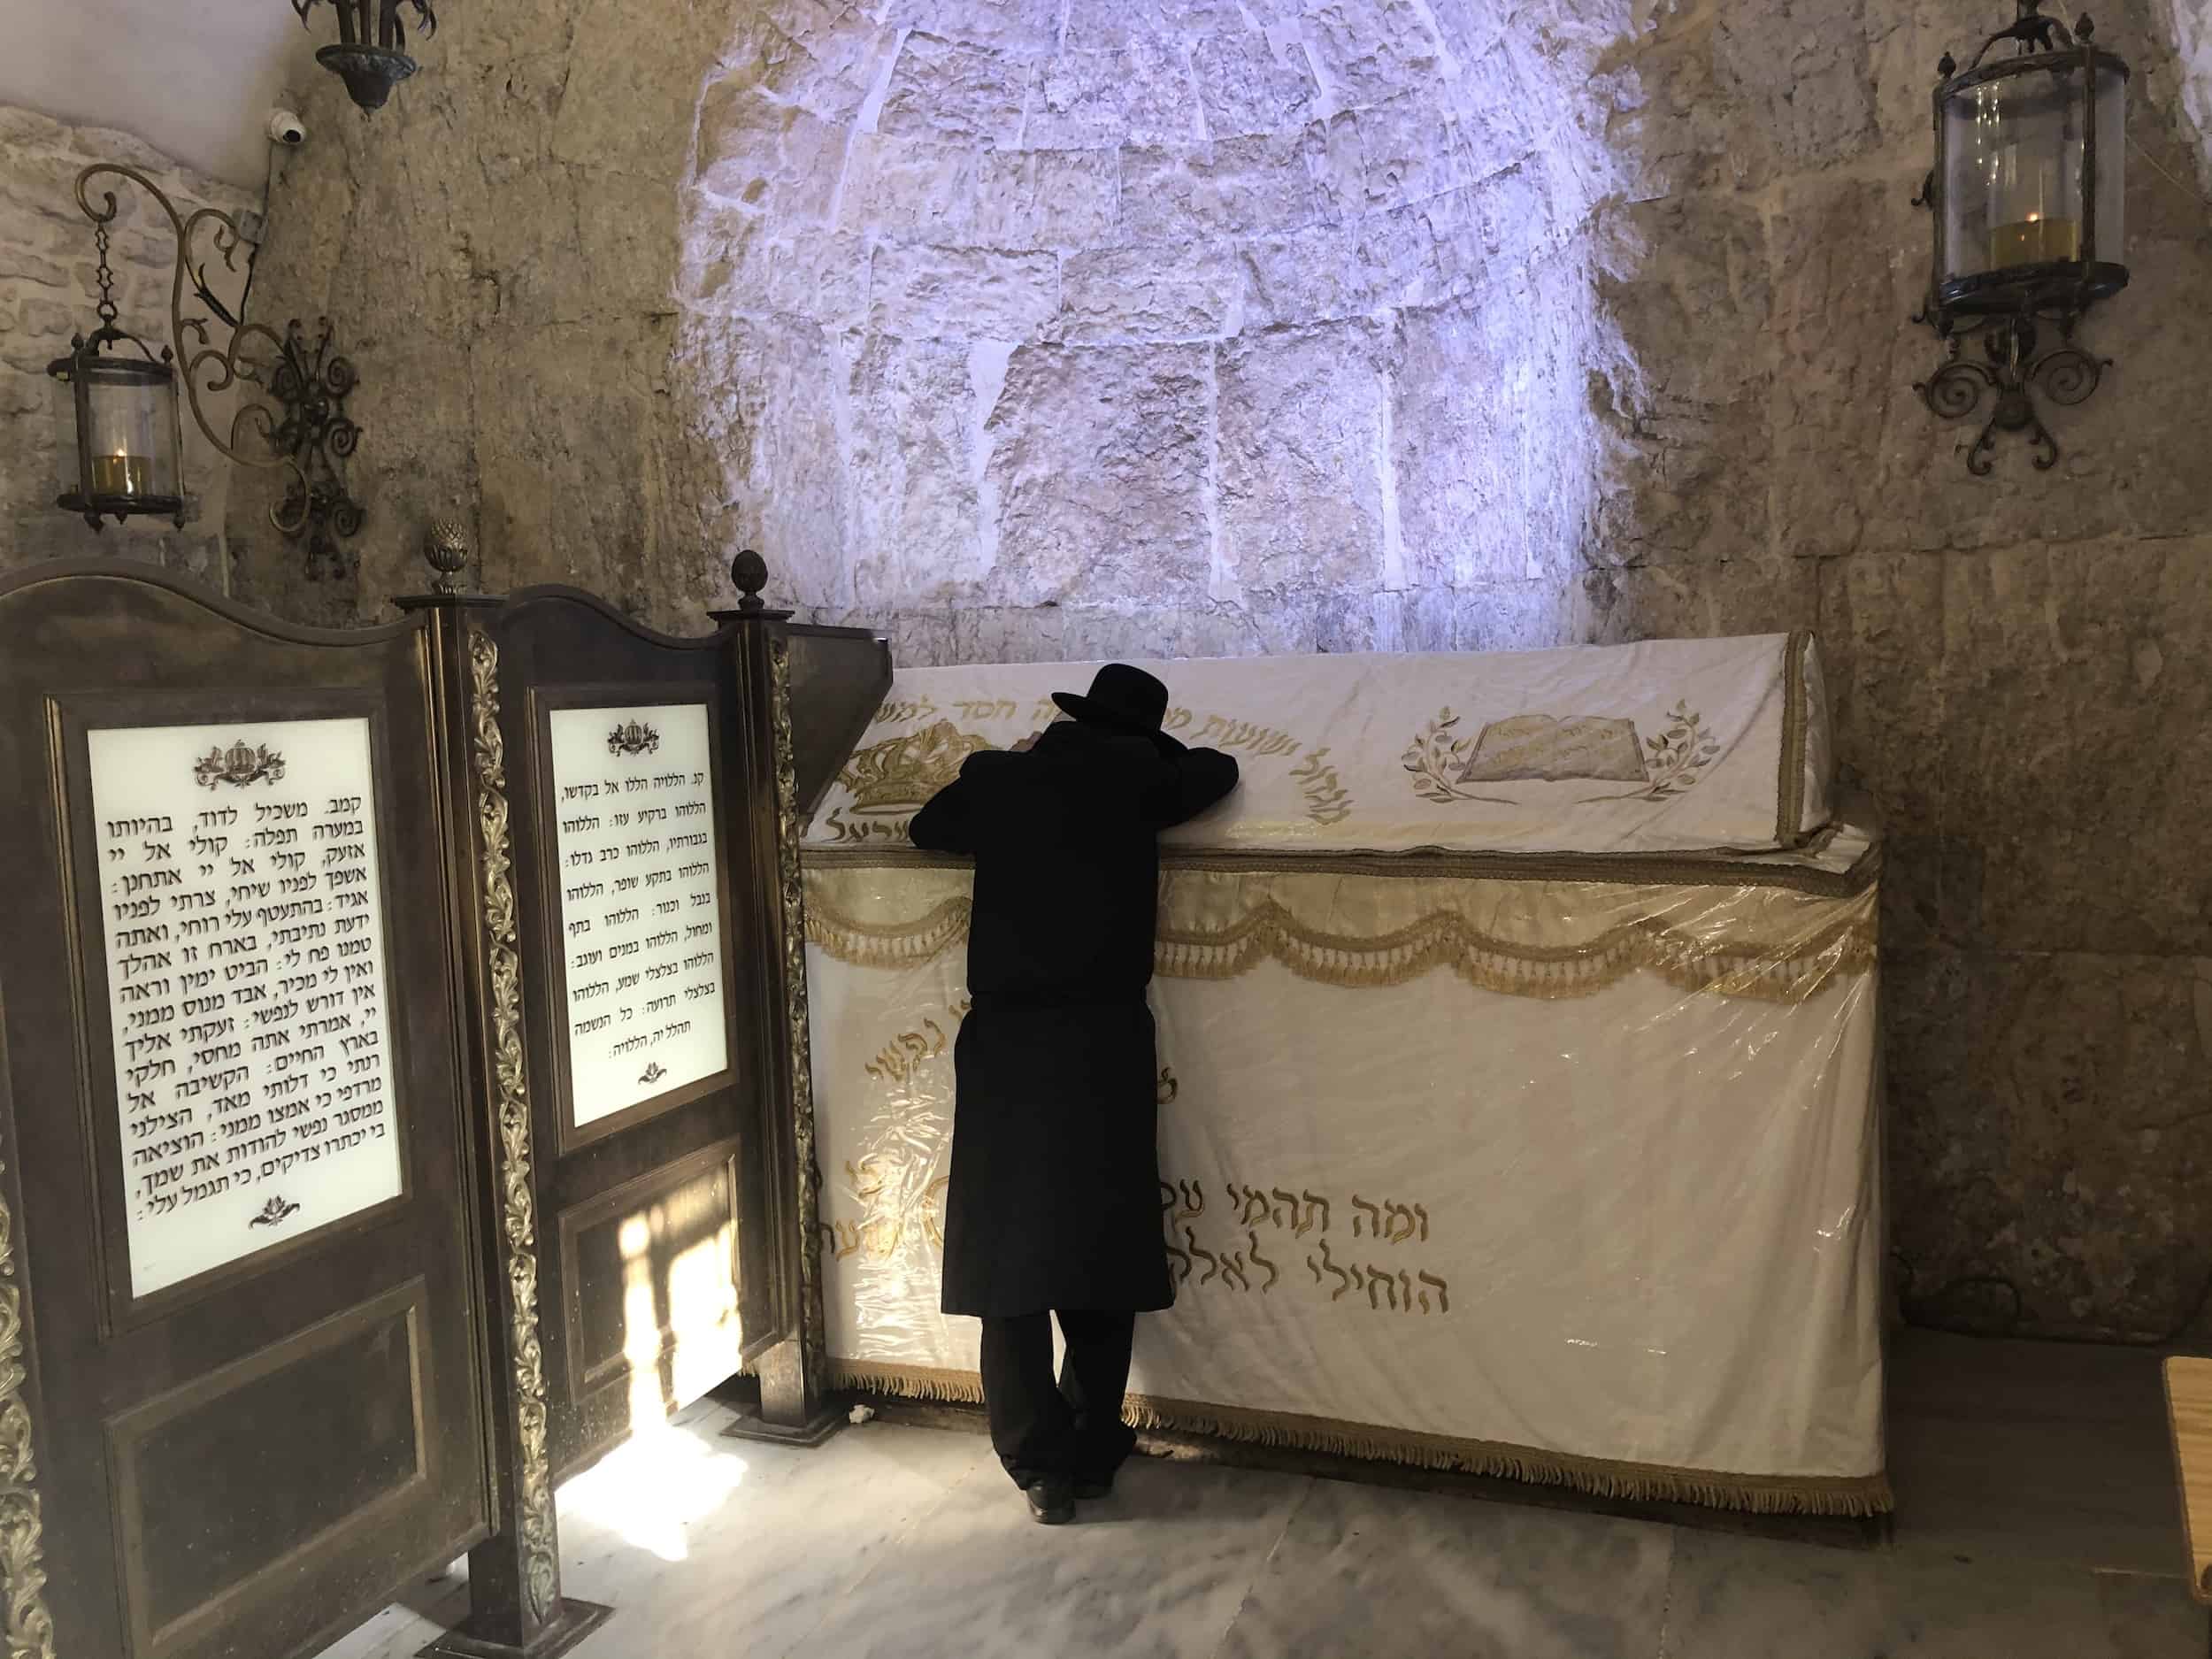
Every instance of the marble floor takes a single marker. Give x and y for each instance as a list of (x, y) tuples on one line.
[(2036, 1521)]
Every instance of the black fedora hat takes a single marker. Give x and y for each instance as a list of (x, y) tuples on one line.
[(1125, 699)]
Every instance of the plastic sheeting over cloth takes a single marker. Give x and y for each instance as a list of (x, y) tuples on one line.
[(1563, 1171)]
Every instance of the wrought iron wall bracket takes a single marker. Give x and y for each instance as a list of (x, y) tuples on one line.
[(310, 384), (316, 432), (2014, 371)]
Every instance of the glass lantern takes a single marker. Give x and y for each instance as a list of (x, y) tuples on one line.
[(2030, 173), (119, 443)]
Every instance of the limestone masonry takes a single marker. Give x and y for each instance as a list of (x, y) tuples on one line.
[(1035, 329)]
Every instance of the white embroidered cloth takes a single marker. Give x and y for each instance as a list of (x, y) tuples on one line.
[(1669, 746), (1573, 1179)]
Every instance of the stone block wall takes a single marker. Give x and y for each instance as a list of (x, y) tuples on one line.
[(1063, 328), (47, 292), (2017, 657), (1193, 329)]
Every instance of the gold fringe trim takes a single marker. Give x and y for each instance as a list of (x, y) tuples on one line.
[(1790, 972), (1786, 973), (884, 944), (1601, 1477), (908, 1382)]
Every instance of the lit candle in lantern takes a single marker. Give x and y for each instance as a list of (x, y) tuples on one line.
[(2034, 239), (120, 474)]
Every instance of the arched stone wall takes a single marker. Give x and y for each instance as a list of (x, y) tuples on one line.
[(1061, 327), (1184, 325)]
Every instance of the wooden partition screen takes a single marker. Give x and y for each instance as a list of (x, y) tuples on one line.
[(241, 1306), (397, 1097)]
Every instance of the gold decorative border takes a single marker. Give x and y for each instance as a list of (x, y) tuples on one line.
[(1789, 792), (1678, 869), (29, 1627), (541, 1563), (1602, 1477), (1792, 969), (791, 881)]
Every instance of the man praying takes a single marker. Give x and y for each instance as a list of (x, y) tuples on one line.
[(1053, 1205)]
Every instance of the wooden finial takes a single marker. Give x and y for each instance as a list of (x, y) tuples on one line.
[(446, 545), (749, 571)]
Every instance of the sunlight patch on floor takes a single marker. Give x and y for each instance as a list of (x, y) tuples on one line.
[(652, 1490)]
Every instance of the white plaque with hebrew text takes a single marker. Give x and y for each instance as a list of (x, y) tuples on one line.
[(640, 902), (243, 911)]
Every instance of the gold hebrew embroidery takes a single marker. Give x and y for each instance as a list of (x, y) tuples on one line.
[(1222, 733), (1328, 801), (894, 1185), (1251, 1207), (885, 832), (904, 1055), (900, 710)]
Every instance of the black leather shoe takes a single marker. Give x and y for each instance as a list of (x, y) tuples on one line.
[(1051, 1500)]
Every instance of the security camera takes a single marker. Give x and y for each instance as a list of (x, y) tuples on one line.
[(287, 128)]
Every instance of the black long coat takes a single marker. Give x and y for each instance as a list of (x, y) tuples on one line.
[(1054, 1198)]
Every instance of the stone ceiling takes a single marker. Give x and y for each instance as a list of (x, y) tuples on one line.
[(195, 79)]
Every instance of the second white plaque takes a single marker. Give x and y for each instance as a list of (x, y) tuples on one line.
[(640, 903)]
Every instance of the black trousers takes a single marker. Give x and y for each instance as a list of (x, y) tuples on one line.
[(1073, 1427)]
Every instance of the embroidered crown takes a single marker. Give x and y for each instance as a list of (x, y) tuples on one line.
[(901, 773)]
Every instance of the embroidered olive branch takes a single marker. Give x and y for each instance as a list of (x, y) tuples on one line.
[(1434, 757), (1680, 754)]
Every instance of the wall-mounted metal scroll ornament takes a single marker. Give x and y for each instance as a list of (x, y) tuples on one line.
[(317, 434), (308, 382)]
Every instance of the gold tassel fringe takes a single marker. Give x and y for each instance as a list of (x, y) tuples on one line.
[(1793, 970), (1605, 1478)]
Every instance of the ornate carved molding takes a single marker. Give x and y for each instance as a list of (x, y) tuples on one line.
[(790, 830), (518, 1224), (29, 1627)]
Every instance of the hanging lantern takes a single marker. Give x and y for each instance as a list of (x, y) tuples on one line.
[(2028, 196), (116, 405), (115, 417), (370, 56)]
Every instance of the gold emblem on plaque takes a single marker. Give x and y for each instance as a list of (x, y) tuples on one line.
[(634, 737), (240, 764)]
